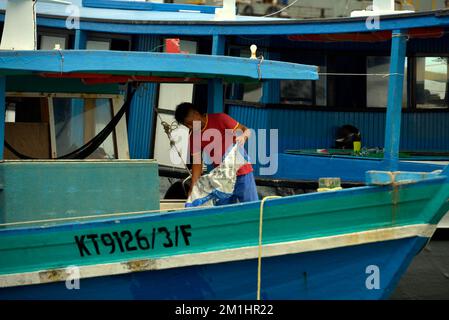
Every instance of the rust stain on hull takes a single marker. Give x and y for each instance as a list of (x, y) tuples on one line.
[(140, 265), (53, 275)]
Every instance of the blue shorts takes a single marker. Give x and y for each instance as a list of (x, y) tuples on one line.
[(244, 191)]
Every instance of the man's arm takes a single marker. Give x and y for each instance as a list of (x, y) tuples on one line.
[(197, 170), (246, 133)]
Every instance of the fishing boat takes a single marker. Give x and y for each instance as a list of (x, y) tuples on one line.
[(72, 228)]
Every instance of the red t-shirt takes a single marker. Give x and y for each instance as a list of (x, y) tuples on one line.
[(220, 122)]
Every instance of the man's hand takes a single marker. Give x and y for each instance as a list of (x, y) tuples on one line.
[(241, 139), (197, 170)]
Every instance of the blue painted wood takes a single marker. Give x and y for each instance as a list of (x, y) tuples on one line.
[(254, 27), (147, 6), (325, 274), (141, 114), (2, 113), (215, 98), (388, 177), (304, 129), (151, 63), (56, 189), (394, 104), (305, 167), (218, 45), (446, 171), (80, 40), (271, 89)]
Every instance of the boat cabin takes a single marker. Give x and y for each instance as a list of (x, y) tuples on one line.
[(386, 76)]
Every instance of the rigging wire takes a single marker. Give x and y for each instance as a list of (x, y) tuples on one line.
[(279, 11)]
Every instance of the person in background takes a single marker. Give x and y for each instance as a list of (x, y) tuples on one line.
[(245, 187)]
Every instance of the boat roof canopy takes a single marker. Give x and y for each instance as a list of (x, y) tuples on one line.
[(148, 66), (135, 17)]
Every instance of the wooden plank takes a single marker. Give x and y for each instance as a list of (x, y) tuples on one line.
[(89, 119), (31, 139), (394, 105), (121, 131), (399, 177), (2, 111), (152, 63), (51, 122)]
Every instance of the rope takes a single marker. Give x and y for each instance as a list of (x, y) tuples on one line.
[(168, 129), (259, 258), (259, 72), (62, 60)]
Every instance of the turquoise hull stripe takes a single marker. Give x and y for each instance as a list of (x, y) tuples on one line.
[(327, 274)]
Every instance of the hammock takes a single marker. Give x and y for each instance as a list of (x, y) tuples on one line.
[(86, 150)]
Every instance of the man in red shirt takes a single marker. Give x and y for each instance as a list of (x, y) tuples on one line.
[(221, 126)]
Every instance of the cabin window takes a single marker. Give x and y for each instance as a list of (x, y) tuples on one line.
[(98, 45), (102, 41), (297, 91), (306, 92), (46, 126), (77, 121), (377, 84), (48, 42), (25, 109), (252, 92), (27, 127), (431, 88)]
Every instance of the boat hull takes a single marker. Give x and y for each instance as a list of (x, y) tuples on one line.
[(339, 273)]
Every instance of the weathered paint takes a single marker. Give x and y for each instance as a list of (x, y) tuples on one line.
[(151, 64), (222, 256), (325, 274), (398, 177), (394, 103), (235, 226), (173, 23), (55, 189)]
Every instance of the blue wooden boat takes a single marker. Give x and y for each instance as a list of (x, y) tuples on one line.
[(95, 229)]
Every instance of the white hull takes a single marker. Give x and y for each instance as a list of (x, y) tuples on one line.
[(444, 223)]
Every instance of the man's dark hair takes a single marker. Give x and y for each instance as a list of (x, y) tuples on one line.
[(183, 109)]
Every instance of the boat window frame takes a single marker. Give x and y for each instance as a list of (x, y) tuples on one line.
[(50, 32), (108, 37), (411, 87), (120, 132), (412, 75)]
